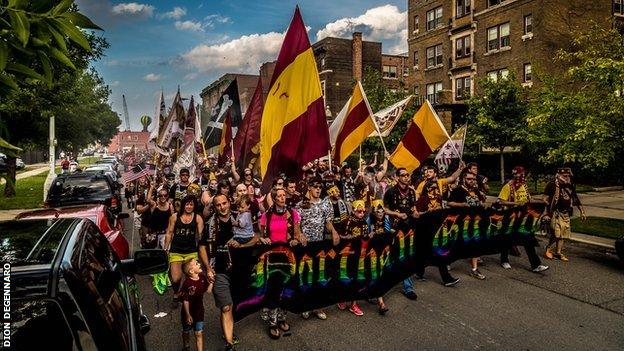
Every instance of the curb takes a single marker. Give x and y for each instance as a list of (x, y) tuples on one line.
[(584, 241)]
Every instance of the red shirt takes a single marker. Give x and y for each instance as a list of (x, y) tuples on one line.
[(193, 292)]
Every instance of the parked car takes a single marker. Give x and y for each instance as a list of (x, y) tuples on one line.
[(84, 188), (69, 288), (113, 163), (102, 167), (107, 222), (19, 163), (619, 248), (88, 152)]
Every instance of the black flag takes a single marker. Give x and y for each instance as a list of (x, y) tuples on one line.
[(228, 100)]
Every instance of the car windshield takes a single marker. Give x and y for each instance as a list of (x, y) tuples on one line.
[(28, 242), (79, 188)]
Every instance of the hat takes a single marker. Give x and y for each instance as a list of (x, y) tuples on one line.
[(377, 203), (193, 189), (333, 190), (518, 170), (170, 176), (205, 168), (358, 204), (564, 170)]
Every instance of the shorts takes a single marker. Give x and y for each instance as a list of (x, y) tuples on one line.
[(196, 326), (161, 241), (221, 290), (242, 240), (561, 225), (179, 257)]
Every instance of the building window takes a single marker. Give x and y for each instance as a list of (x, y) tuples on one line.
[(463, 8), (416, 90), (498, 74), (415, 24), (432, 92), (434, 56), (323, 85), (498, 37), (462, 88), (434, 18), (389, 71), (415, 59), (405, 71), (493, 2), (527, 72), (322, 62), (462, 47), (528, 24), (618, 7)]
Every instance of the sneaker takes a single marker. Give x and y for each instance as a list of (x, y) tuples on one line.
[(410, 295), (476, 274), (452, 282), (548, 254), (229, 347), (342, 306), (421, 278), (506, 265), (320, 315), (561, 257), (305, 315), (355, 309), (540, 268)]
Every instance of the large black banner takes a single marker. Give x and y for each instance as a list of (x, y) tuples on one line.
[(300, 279)]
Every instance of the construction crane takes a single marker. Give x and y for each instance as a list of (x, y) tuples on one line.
[(126, 116)]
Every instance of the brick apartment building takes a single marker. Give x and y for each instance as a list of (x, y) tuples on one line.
[(126, 140), (455, 43)]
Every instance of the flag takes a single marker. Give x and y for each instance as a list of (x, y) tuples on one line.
[(161, 110), (228, 101), (159, 118), (186, 159), (137, 172), (294, 129), (189, 124), (171, 129), (225, 149), (352, 126), (452, 149), (425, 134), (248, 134), (198, 136), (387, 118)]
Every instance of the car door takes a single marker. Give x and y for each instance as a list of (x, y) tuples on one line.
[(106, 296)]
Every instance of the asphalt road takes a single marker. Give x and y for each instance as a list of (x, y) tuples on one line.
[(577, 305)]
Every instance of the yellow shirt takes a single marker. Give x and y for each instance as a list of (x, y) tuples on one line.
[(435, 197), (520, 196)]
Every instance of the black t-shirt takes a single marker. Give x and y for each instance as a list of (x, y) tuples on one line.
[(219, 238), (400, 202), (567, 197), (177, 193), (462, 195)]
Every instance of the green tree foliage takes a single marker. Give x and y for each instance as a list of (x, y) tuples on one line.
[(36, 35), (579, 118), (497, 116)]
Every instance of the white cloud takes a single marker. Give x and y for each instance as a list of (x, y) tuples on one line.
[(152, 77), (114, 84), (212, 20), (384, 23), (134, 9), (191, 76), (189, 25), (176, 13), (111, 63), (244, 54)]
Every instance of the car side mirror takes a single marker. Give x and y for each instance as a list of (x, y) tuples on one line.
[(145, 262), (123, 215)]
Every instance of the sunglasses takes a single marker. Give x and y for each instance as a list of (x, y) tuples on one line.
[(359, 211), (163, 195), (404, 175), (247, 174)]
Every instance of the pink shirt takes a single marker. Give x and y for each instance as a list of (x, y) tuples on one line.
[(278, 229)]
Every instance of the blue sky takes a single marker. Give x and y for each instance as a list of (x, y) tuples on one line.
[(163, 44)]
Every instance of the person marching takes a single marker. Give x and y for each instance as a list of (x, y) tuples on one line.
[(160, 211), (192, 297), (560, 198), (380, 224), (178, 190), (183, 232)]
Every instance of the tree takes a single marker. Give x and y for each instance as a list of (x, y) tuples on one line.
[(34, 35), (497, 117), (579, 117)]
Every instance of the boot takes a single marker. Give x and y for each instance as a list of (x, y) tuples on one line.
[(548, 254)]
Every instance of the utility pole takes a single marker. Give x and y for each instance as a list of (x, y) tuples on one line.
[(51, 158)]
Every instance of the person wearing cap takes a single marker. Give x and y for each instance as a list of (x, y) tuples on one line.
[(178, 190), (316, 217), (560, 196), (347, 184), (340, 210), (204, 180), (355, 228), (431, 195)]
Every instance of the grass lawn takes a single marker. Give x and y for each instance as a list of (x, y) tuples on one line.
[(29, 193), (599, 226)]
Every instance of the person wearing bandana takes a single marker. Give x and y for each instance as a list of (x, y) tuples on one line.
[(356, 227), (204, 180), (340, 211), (560, 198), (380, 225), (178, 190)]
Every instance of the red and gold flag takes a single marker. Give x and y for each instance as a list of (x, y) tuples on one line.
[(225, 146), (293, 128), (248, 134), (425, 134)]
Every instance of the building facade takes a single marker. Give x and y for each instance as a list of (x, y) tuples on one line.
[(395, 71), (125, 140), (453, 44)]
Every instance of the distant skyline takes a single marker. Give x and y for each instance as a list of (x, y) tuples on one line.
[(158, 45)]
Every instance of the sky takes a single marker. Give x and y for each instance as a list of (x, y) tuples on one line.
[(162, 44)]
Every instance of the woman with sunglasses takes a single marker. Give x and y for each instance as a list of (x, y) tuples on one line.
[(160, 210)]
